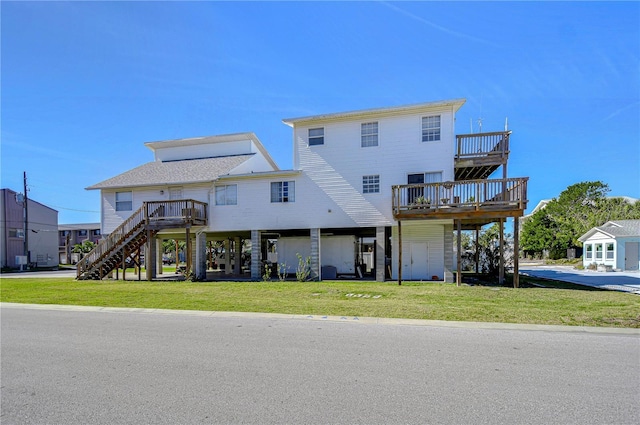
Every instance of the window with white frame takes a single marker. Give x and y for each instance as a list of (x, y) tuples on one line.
[(598, 251), (124, 201), (227, 194), (588, 252), (369, 134), (431, 128), (283, 191), (82, 233), (316, 136), (371, 183), (609, 251)]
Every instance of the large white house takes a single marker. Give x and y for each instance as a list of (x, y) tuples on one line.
[(377, 189)]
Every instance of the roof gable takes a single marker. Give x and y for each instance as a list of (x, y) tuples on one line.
[(614, 229)]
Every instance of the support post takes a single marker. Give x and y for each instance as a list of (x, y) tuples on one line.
[(316, 261), (201, 256), (516, 252), (399, 252), (227, 256), (150, 256), (188, 247), (380, 253), (477, 249), (501, 249), (256, 254), (159, 253), (237, 250), (459, 253), (448, 252)]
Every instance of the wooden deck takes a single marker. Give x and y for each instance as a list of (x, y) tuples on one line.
[(478, 155), (468, 200)]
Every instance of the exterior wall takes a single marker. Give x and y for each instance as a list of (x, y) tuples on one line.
[(422, 250), (618, 261), (112, 218), (42, 232), (312, 207), (337, 251), (258, 163), (400, 150), (601, 238), (43, 235)]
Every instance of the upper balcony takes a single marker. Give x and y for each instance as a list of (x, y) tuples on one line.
[(470, 200), (478, 155)]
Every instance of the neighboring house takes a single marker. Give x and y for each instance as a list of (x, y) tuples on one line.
[(377, 189), (40, 233), (71, 234), (615, 244)]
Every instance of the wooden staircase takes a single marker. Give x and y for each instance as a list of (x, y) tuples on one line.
[(135, 231)]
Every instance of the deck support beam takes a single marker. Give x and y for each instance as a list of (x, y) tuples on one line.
[(459, 253), (399, 252), (501, 249), (237, 250), (516, 253)]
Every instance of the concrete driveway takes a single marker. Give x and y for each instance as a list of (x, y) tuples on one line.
[(50, 273), (616, 281)]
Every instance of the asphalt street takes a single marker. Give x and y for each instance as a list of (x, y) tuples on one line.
[(66, 365), (628, 281)]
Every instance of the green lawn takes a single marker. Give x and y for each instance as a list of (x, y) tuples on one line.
[(435, 301)]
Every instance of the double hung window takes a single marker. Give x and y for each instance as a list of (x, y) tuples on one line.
[(609, 252), (369, 134), (431, 128), (124, 201), (316, 136), (283, 191)]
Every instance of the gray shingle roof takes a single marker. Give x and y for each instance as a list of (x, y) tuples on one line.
[(627, 228), (158, 173)]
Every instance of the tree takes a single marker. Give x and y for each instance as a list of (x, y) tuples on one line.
[(578, 208), (83, 248)]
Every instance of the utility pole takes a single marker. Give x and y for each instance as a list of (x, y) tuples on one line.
[(26, 220)]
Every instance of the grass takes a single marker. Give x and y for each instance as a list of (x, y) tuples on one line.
[(435, 301)]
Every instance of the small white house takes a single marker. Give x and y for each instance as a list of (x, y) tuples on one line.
[(615, 244)]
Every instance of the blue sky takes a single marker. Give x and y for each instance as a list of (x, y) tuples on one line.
[(85, 84)]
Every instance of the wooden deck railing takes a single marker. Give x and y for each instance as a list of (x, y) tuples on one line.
[(459, 196), (187, 210), (482, 144)]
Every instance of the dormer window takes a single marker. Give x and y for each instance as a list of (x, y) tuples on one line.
[(431, 128), (316, 136)]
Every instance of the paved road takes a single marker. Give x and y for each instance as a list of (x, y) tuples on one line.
[(51, 273), (61, 366), (618, 281)]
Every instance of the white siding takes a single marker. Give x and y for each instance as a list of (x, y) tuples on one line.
[(112, 218), (419, 235), (312, 208)]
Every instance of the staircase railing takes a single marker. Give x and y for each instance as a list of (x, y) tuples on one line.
[(113, 241), (187, 210)]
